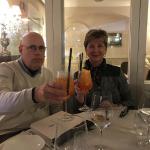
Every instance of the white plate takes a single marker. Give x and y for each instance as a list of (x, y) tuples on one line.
[(145, 111), (24, 142)]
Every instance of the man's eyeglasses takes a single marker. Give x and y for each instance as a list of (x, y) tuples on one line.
[(34, 48)]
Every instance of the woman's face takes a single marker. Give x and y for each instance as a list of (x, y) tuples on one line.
[(96, 50)]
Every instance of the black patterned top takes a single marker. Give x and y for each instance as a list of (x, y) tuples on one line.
[(108, 79)]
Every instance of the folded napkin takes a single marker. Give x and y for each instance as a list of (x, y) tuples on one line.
[(47, 126)]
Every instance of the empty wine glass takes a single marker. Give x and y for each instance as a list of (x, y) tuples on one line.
[(72, 135), (80, 141), (63, 79), (101, 116), (85, 84), (141, 129), (144, 111)]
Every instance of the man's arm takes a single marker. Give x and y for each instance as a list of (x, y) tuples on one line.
[(10, 100), (15, 101)]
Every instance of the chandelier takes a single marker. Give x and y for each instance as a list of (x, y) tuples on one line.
[(10, 23)]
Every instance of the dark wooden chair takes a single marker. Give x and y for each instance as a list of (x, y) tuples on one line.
[(148, 75), (124, 67), (8, 58)]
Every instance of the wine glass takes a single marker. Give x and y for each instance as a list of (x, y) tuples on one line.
[(144, 113), (141, 129), (100, 115), (62, 78), (85, 84), (80, 140), (71, 135)]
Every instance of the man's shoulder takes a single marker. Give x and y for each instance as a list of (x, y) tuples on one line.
[(11, 64), (9, 68)]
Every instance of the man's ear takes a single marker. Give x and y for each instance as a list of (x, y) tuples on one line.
[(20, 48)]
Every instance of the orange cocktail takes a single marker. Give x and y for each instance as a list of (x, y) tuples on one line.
[(62, 78), (85, 80), (85, 84)]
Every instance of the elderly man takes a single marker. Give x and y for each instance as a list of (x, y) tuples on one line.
[(26, 88)]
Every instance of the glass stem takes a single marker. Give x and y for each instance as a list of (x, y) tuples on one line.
[(101, 132), (148, 133), (65, 106), (84, 100)]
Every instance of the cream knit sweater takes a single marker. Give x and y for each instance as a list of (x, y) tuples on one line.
[(17, 110)]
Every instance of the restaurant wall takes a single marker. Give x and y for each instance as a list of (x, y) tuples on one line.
[(109, 22)]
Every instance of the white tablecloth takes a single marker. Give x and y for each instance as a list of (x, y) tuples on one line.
[(120, 135)]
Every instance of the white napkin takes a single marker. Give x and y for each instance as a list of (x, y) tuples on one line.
[(47, 126)]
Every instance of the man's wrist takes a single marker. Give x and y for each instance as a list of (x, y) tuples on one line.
[(33, 95)]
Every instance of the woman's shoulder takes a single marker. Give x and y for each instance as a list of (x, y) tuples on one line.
[(113, 67), (113, 70)]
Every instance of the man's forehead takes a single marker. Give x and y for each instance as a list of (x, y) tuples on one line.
[(31, 34), (32, 37)]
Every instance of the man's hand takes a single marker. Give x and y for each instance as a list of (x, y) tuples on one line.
[(52, 91)]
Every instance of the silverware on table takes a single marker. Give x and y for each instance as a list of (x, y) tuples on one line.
[(124, 112)]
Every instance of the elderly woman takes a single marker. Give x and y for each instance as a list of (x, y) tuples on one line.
[(106, 78)]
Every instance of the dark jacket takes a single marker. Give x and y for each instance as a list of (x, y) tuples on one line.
[(108, 79)]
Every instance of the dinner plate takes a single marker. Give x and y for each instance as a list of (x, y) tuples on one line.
[(145, 111), (24, 142)]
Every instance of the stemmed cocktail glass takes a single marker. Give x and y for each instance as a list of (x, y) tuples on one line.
[(67, 83), (62, 78), (85, 84)]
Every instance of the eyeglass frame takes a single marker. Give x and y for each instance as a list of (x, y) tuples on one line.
[(33, 48)]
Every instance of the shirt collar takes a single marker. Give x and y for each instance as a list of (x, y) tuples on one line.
[(89, 66)]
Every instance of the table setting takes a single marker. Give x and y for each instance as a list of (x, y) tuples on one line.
[(24, 141), (119, 135)]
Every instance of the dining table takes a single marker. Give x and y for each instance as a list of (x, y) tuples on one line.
[(120, 135)]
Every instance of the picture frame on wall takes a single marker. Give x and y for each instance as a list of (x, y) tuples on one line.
[(115, 39)]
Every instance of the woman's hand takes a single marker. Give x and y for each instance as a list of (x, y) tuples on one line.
[(106, 104), (80, 93)]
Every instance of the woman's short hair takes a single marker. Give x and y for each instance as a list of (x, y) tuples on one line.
[(95, 34)]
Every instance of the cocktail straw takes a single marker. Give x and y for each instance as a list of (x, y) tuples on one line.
[(81, 60), (69, 68), (80, 65)]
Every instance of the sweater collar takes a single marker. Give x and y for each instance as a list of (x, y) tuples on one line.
[(30, 72)]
